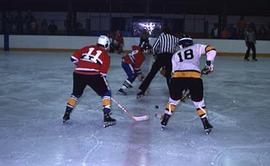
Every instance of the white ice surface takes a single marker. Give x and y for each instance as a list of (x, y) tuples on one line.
[(34, 88)]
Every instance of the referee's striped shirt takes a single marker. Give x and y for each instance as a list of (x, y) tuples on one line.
[(165, 43)]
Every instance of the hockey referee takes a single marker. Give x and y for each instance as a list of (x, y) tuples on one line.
[(163, 50)]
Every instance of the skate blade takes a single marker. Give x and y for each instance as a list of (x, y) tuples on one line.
[(163, 127), (65, 120), (121, 93), (140, 97), (208, 131), (107, 124)]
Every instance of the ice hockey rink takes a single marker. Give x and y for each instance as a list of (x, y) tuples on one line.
[(34, 88)]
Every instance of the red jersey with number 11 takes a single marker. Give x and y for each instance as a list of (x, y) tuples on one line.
[(91, 60)]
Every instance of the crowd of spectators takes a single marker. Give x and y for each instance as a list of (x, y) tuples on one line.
[(26, 23), (236, 31)]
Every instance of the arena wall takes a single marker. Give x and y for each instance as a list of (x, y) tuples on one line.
[(68, 43)]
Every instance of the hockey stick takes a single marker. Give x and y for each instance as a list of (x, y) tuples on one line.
[(187, 94), (135, 118)]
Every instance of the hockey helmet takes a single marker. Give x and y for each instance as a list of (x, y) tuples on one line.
[(104, 41), (185, 41)]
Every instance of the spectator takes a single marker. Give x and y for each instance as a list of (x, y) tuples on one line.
[(253, 26), (19, 22), (52, 28), (225, 34), (214, 31), (241, 26), (79, 28), (27, 20), (262, 32), (232, 31), (69, 23), (33, 26), (268, 31), (11, 23), (44, 27), (111, 38), (118, 42)]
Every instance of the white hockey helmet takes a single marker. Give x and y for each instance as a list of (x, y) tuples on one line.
[(104, 41), (185, 41)]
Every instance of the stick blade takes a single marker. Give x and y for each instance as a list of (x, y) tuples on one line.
[(141, 118)]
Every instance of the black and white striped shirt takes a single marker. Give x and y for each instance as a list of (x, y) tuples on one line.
[(165, 43)]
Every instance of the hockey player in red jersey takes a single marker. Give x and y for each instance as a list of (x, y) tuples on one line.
[(91, 66), (186, 74), (131, 64)]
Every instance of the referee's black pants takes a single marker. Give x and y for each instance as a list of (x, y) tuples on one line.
[(162, 60)]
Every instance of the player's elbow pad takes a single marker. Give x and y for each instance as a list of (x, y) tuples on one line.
[(210, 56), (74, 59)]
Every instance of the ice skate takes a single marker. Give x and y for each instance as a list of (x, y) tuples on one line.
[(121, 91), (246, 59), (140, 95), (127, 84), (206, 125), (108, 120), (66, 116), (164, 120)]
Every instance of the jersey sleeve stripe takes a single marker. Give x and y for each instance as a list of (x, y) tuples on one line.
[(209, 48)]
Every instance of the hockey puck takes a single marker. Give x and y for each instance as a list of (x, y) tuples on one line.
[(156, 106)]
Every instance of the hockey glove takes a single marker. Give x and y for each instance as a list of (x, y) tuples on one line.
[(141, 77), (208, 68)]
